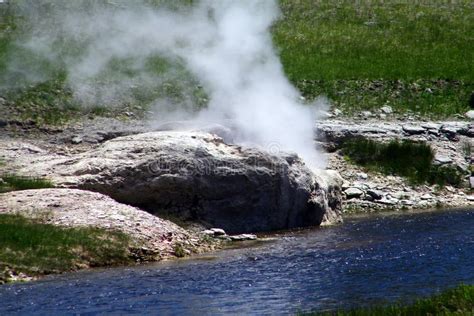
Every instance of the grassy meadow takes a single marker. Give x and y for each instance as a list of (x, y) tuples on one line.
[(414, 56)]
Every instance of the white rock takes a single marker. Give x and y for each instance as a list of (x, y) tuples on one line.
[(366, 114), (431, 126), (337, 112), (413, 129), (243, 237), (426, 196), (208, 232), (386, 109), (469, 114), (218, 231), (353, 192), (442, 160), (76, 140)]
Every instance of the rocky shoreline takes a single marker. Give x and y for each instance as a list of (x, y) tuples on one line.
[(108, 155), (117, 176), (452, 141), (453, 144)]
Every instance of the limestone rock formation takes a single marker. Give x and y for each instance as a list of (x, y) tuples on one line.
[(196, 176)]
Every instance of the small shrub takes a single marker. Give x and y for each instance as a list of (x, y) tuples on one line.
[(444, 175), (179, 251), (404, 158)]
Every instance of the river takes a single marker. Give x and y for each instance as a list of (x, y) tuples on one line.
[(368, 259)]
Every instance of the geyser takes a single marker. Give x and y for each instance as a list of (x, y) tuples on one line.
[(227, 45)]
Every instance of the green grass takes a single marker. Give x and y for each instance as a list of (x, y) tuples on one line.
[(432, 98), (414, 56), (457, 301), (404, 158), (340, 39), (341, 48), (35, 249), (12, 182)]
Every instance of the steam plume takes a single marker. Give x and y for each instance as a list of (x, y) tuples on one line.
[(226, 44)]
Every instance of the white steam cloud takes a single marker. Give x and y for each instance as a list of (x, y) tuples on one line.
[(225, 44)]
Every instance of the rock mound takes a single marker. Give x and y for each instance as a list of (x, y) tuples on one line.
[(151, 235), (196, 176)]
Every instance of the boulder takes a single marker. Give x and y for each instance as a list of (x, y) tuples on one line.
[(353, 192), (218, 231), (469, 114), (196, 176), (413, 129), (386, 109), (375, 194), (442, 160)]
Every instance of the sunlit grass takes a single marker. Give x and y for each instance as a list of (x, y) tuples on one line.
[(12, 182), (342, 39), (33, 248), (338, 48), (457, 301)]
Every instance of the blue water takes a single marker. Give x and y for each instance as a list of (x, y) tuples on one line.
[(366, 260)]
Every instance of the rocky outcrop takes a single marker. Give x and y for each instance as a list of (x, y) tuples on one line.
[(195, 176), (452, 142), (152, 238)]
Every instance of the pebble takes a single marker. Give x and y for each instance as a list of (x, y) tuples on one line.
[(337, 112), (76, 140), (366, 114)]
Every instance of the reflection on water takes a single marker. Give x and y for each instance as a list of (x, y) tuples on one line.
[(366, 260)]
